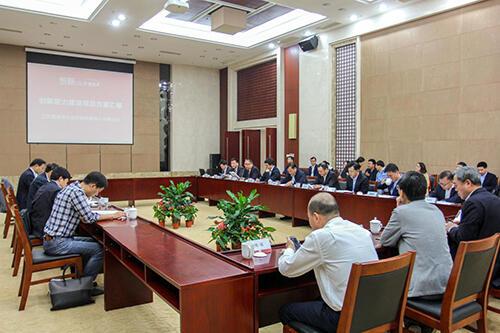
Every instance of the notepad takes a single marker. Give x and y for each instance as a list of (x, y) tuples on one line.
[(105, 212)]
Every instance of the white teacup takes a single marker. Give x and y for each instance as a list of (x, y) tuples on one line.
[(375, 226), (131, 213)]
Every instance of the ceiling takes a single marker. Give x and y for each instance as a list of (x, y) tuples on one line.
[(97, 36)]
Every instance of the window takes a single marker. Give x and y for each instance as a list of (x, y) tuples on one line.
[(345, 104)]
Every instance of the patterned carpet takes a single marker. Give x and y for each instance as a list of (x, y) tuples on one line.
[(154, 317)]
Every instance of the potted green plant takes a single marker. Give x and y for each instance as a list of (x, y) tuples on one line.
[(239, 222), (190, 212), (159, 212), (175, 198)]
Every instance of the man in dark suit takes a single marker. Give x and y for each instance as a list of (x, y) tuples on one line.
[(251, 171), (44, 200), (38, 182), (224, 168), (313, 168), (272, 173), (326, 177), (371, 171), (356, 182), (294, 176), (37, 166), (390, 185), (345, 172), (446, 190), (236, 168), (488, 180), (480, 216)]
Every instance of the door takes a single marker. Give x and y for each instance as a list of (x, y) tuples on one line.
[(251, 146), (271, 143), (231, 145)]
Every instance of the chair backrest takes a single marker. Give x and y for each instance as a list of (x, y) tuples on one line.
[(372, 185), (342, 183), (12, 196), (471, 275), (21, 233), (376, 295), (4, 195)]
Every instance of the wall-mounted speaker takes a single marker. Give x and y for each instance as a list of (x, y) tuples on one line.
[(309, 43)]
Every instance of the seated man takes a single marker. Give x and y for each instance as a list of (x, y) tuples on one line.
[(37, 166), (420, 226), (40, 180), (488, 180), (251, 171), (325, 252), (224, 168), (371, 171), (326, 177), (272, 173), (446, 190), (390, 187), (345, 172), (294, 176), (236, 168), (356, 182), (71, 207), (313, 168), (381, 174), (44, 200)]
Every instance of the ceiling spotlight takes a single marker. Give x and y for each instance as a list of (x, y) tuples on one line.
[(116, 23), (122, 17), (382, 7), (271, 46), (353, 17)]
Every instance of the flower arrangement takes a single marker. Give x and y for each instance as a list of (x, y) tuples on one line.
[(240, 221)]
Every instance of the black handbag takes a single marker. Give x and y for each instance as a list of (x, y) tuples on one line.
[(69, 293)]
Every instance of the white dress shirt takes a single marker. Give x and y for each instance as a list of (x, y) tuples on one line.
[(330, 252)]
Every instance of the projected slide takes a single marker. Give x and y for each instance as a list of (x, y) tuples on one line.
[(78, 105)]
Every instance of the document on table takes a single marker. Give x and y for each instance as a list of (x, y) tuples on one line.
[(105, 212)]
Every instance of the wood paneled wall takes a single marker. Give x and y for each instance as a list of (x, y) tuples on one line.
[(291, 64), (430, 90), (257, 91), (142, 156)]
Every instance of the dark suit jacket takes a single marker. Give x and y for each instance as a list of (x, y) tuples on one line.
[(275, 175), (226, 171), (254, 173), (42, 207), (23, 188), (439, 194), (372, 174), (300, 178), (490, 182), (393, 188), (239, 171), (330, 180), (39, 181), (480, 219), (315, 172), (361, 184)]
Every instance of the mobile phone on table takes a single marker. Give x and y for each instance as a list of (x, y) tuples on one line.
[(295, 242)]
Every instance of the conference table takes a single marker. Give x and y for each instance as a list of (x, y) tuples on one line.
[(214, 291)]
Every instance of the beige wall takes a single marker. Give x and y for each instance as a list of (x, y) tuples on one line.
[(142, 156), (431, 90), (195, 117)]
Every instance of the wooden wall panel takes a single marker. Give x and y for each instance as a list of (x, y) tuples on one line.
[(251, 146), (223, 110), (271, 143), (291, 61), (257, 90)]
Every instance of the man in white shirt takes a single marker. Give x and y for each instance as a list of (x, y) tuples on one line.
[(330, 250)]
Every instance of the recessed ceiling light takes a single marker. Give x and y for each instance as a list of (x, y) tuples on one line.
[(122, 17), (116, 23), (271, 46), (353, 17), (382, 7)]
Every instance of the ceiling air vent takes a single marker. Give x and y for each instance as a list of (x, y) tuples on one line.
[(11, 30), (170, 52)]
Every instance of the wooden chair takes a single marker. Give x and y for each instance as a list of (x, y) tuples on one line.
[(8, 216), (17, 246), (372, 186), (375, 298), (495, 293), (465, 299), (37, 261)]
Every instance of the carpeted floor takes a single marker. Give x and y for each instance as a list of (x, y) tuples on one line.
[(154, 317)]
